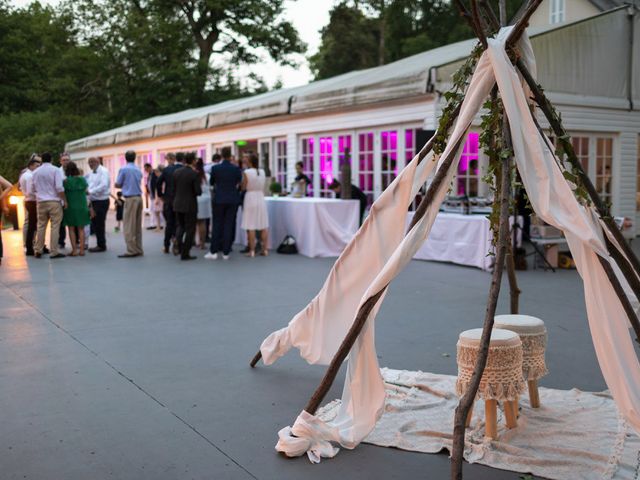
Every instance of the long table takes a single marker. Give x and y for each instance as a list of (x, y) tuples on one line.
[(460, 239), (322, 227)]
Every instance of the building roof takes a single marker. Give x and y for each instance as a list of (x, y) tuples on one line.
[(404, 78), (604, 5)]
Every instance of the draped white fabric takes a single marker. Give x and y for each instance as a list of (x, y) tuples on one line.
[(378, 253)]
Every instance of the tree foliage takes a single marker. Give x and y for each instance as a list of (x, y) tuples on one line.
[(90, 65), (376, 32)]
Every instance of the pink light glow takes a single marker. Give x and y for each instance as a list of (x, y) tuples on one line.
[(469, 153)]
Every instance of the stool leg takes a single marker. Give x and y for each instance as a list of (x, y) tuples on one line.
[(469, 415), (534, 397), (510, 413), (491, 419)]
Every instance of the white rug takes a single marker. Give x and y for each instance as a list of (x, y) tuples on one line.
[(573, 435)]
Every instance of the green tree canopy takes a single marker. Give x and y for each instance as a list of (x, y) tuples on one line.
[(90, 65), (365, 33)]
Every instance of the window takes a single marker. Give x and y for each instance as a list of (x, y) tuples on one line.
[(281, 163), (365, 164), (388, 157), (556, 12), (468, 179), (307, 161), (344, 150), (581, 147), (604, 159), (596, 156), (326, 165), (411, 136)]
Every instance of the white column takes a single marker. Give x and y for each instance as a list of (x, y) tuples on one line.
[(316, 166), (355, 160), (335, 167), (292, 157), (209, 152), (377, 165), (401, 148)]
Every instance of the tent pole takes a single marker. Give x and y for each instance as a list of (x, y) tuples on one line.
[(514, 290), (466, 402), (504, 239), (366, 308)]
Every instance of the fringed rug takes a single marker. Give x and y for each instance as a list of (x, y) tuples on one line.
[(573, 435)]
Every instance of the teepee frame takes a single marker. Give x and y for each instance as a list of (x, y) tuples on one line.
[(482, 19)]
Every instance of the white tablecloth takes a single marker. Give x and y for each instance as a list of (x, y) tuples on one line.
[(322, 227), (457, 238), (461, 239)]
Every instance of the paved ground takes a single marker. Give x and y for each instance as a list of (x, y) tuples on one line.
[(138, 368)]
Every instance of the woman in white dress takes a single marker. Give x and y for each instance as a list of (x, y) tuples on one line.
[(254, 208), (204, 204)]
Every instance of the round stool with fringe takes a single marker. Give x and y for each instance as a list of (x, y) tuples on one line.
[(502, 378), (534, 343)]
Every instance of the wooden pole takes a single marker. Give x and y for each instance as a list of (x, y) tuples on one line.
[(466, 402), (469, 396), (514, 290)]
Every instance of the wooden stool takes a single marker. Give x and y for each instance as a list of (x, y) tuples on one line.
[(502, 378), (534, 343)]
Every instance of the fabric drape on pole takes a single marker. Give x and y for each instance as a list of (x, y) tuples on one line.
[(378, 253), (553, 200)]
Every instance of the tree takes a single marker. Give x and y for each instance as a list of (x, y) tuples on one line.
[(48, 92), (349, 42), (237, 28), (400, 28)]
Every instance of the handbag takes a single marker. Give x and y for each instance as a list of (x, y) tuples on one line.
[(288, 246)]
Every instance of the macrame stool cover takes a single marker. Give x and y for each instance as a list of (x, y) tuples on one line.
[(380, 250), (533, 334), (502, 377)]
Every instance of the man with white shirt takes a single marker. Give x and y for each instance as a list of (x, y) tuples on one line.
[(30, 204), (64, 161), (99, 190), (49, 192)]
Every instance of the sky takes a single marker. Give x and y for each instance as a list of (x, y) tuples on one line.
[(308, 16)]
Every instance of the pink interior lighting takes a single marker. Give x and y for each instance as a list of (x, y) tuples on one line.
[(469, 154)]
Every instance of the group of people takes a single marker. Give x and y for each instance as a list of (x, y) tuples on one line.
[(193, 197), (187, 193), (190, 196), (66, 199)]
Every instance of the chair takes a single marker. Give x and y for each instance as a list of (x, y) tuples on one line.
[(502, 379), (533, 334)]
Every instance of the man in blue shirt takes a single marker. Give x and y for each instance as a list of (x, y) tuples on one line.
[(129, 181)]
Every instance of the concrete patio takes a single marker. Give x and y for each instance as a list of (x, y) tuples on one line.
[(138, 368)]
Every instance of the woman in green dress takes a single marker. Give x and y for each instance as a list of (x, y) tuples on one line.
[(76, 212)]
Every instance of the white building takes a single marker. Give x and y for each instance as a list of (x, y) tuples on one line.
[(378, 117)]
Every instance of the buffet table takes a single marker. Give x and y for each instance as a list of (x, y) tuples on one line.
[(322, 227), (460, 239)]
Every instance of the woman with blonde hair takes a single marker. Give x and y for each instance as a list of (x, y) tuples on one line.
[(254, 208)]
